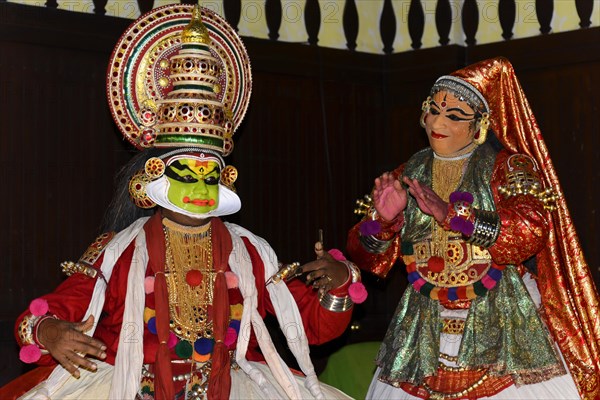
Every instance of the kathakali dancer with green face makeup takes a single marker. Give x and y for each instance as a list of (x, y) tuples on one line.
[(501, 303), (169, 304)]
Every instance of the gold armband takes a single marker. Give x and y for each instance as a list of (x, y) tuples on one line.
[(522, 178)]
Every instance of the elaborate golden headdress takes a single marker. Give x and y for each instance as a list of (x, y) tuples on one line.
[(179, 77), (569, 297)]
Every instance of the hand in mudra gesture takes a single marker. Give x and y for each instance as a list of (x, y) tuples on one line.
[(389, 196), (427, 200), (325, 273), (69, 345)]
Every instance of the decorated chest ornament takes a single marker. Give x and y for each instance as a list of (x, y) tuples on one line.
[(199, 347), (180, 78)]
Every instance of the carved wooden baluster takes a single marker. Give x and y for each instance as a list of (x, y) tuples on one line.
[(145, 5), (350, 24), (312, 20), (443, 20), (416, 23), (584, 10), (387, 26), (100, 7), (273, 14), (233, 11), (470, 21), (53, 3), (544, 10), (507, 12)]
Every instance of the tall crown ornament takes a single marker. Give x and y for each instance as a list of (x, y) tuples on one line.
[(179, 77)]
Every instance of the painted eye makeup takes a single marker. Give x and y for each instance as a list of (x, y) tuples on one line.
[(211, 180), (457, 118), (171, 172)]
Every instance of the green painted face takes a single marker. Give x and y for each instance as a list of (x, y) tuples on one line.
[(194, 184)]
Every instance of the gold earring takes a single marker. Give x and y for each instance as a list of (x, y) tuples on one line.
[(154, 168), (484, 123), (425, 108), (229, 175), (137, 190)]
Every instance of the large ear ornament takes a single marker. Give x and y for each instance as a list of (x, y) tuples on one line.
[(137, 190), (229, 175), (484, 124)]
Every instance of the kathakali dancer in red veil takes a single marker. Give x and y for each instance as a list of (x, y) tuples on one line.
[(170, 303), (501, 303)]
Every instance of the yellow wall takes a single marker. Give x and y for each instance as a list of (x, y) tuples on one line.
[(253, 22)]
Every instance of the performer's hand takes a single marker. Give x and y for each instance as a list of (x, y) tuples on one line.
[(325, 273), (429, 202), (68, 344), (389, 197)]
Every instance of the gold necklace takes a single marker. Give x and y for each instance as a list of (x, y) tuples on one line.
[(445, 178), (190, 279)]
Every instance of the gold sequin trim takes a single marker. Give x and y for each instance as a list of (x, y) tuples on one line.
[(453, 326)]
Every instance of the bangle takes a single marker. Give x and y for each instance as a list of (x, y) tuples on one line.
[(35, 329), (31, 349), (373, 245), (376, 225), (486, 228), (356, 292)]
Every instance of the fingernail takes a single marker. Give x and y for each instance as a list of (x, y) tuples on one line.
[(94, 367), (76, 374), (103, 355), (103, 347)]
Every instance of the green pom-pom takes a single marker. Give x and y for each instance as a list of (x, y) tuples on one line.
[(407, 249), (184, 349), (426, 289), (479, 289)]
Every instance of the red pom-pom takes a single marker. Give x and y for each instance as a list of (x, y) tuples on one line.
[(38, 307), (30, 353), (435, 264), (357, 292), (193, 277)]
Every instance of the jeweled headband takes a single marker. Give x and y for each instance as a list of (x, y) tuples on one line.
[(464, 91)]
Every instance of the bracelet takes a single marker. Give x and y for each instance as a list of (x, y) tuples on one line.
[(26, 327), (31, 349), (486, 228), (373, 245), (356, 292), (69, 268)]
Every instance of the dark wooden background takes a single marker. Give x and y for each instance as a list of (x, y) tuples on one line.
[(321, 125)]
